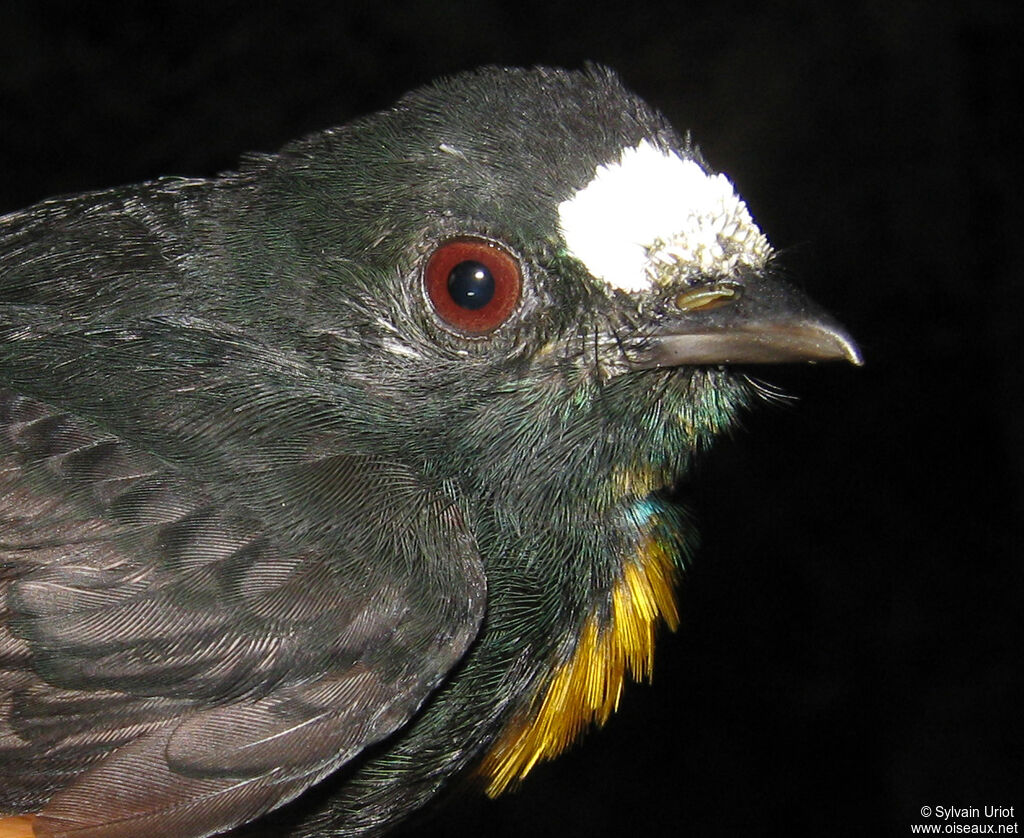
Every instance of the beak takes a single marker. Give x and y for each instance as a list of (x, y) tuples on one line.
[(751, 320)]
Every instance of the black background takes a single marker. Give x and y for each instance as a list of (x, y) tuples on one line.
[(851, 640)]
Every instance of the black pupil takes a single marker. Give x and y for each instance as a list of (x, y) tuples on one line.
[(471, 285)]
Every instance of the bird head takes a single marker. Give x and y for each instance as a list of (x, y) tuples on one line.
[(523, 261)]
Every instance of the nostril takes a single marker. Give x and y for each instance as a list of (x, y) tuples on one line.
[(707, 297)]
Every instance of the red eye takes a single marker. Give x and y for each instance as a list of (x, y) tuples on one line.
[(473, 284)]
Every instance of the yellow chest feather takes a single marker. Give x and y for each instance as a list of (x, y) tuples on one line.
[(586, 688)]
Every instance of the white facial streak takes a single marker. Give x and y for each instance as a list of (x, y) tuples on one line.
[(654, 213)]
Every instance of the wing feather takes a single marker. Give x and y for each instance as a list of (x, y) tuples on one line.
[(172, 664)]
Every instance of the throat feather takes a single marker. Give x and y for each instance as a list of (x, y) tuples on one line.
[(586, 688)]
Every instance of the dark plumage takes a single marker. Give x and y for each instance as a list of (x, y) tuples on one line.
[(276, 489)]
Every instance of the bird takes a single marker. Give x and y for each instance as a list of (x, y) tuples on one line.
[(353, 467)]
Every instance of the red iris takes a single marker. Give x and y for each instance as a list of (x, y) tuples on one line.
[(473, 284)]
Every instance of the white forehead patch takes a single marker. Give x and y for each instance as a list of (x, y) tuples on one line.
[(653, 212)]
